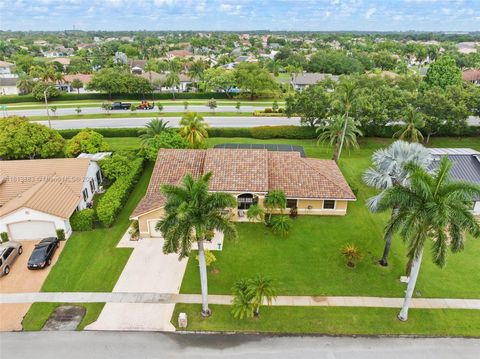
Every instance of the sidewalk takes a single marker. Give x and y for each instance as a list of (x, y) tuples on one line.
[(172, 298)]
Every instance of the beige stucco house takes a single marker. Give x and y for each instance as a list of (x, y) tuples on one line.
[(313, 186)]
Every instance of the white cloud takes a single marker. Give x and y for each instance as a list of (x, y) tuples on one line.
[(231, 9), (370, 12)]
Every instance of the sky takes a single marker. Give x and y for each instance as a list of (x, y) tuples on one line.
[(238, 15)]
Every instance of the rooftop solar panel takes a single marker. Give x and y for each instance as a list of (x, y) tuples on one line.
[(267, 146)]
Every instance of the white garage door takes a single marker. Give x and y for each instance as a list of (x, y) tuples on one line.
[(151, 227), (31, 230)]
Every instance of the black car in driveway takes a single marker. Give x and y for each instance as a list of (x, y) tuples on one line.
[(42, 253)]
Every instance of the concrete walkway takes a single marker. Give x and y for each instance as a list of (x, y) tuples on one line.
[(172, 298)]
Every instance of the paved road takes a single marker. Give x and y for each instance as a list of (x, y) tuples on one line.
[(98, 110), (140, 122), (92, 345)]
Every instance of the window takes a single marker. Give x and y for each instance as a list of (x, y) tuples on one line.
[(292, 203), (92, 185), (99, 177), (329, 204), (245, 200), (85, 194), (7, 252)]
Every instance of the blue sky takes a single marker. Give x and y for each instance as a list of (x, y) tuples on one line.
[(237, 15)]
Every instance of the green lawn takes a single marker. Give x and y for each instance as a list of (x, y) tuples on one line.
[(90, 261), (123, 143), (308, 261), (40, 312), (336, 321)]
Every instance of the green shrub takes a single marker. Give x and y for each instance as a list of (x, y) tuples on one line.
[(116, 166), (82, 220), (60, 234), (38, 91), (4, 236), (87, 141), (228, 132), (290, 132), (115, 197), (166, 139), (105, 132)]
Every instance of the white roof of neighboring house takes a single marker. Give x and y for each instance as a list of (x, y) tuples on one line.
[(95, 156), (6, 64)]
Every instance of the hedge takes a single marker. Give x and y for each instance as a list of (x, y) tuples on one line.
[(105, 132), (82, 220), (115, 197), (103, 96)]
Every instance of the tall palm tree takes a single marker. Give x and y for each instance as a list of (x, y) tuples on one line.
[(196, 70), (275, 199), (25, 83), (261, 289), (431, 207), (389, 170), (152, 128), (338, 130), (413, 122), (172, 81), (347, 92), (193, 129), (190, 213)]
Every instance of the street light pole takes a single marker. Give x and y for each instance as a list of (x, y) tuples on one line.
[(46, 105)]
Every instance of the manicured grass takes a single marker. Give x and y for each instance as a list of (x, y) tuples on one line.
[(90, 261), (135, 114), (336, 321), (40, 312), (308, 261), (123, 143)]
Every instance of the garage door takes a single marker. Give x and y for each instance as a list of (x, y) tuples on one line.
[(31, 230), (152, 230)]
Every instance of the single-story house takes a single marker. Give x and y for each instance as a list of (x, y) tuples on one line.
[(312, 186), (303, 80), (466, 167), (158, 80), (67, 82), (472, 76), (8, 86), (6, 69), (179, 53), (137, 66), (37, 197)]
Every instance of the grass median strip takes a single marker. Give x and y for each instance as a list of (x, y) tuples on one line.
[(136, 114), (336, 321)]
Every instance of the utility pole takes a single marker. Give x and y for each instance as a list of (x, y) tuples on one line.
[(46, 105)]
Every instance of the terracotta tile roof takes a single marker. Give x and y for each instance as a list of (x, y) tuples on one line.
[(471, 75), (170, 168), (247, 170), (85, 78), (53, 186), (237, 170), (306, 177)]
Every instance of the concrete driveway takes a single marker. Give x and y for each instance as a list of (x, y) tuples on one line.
[(22, 280), (149, 271)]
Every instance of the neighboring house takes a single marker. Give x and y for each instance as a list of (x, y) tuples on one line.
[(178, 53), (8, 86), (137, 66), (472, 76), (67, 82), (466, 167), (6, 70), (37, 197), (303, 80), (65, 61), (313, 186), (158, 80), (467, 47)]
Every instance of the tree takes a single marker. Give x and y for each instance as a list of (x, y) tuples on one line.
[(86, 141), (389, 170), (77, 84), (261, 289), (193, 129), (190, 212), (313, 105), (242, 304), (432, 207), (280, 225), (255, 213), (172, 81), (152, 128), (185, 105), (253, 80), (116, 166), (410, 130), (333, 131), (442, 73), (38, 91), (238, 105), (347, 97), (106, 106), (21, 139), (196, 70), (165, 139), (212, 104), (25, 83), (219, 79), (275, 200)]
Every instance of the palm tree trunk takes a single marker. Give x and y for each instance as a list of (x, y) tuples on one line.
[(403, 315), (203, 278), (388, 243), (336, 153), (342, 138)]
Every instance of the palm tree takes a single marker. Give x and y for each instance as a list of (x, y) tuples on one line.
[(334, 133), (432, 207), (388, 170), (153, 128), (172, 81), (242, 305), (196, 70), (194, 129), (413, 122), (281, 225), (261, 289), (191, 212), (347, 92), (25, 83), (275, 199), (255, 213)]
